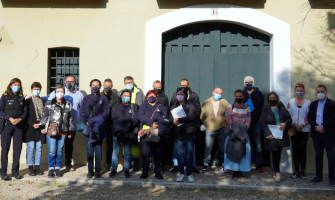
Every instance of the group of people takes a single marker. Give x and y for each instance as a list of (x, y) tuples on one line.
[(131, 119)]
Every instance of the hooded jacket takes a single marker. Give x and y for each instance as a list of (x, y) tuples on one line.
[(257, 99)]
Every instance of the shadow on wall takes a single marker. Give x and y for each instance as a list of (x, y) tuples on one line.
[(54, 3), (175, 4)]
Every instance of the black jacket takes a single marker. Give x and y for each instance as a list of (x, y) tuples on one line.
[(113, 99), (32, 134), (188, 129), (328, 118), (267, 117), (236, 145), (193, 97), (162, 99), (257, 99)]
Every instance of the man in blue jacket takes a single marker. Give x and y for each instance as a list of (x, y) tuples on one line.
[(254, 98), (94, 105)]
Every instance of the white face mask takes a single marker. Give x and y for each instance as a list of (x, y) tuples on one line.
[(60, 95), (321, 96)]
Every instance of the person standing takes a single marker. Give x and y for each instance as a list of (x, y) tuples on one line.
[(34, 137), (75, 97), (298, 108), (213, 117), (194, 98), (113, 99), (137, 97), (321, 117), (254, 99), (57, 111), (13, 111), (94, 111), (275, 113)]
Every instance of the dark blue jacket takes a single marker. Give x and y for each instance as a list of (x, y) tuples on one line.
[(102, 107), (160, 116), (3, 101), (257, 99), (96, 130)]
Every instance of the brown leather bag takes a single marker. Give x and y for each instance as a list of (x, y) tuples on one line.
[(53, 130), (291, 131), (152, 135)]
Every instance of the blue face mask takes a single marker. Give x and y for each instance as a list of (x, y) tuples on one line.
[(129, 86), (95, 89), (249, 86), (16, 89), (217, 97), (125, 99), (36, 92)]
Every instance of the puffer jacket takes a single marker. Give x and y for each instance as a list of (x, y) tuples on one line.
[(268, 118), (52, 114)]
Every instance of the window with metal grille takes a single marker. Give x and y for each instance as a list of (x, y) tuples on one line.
[(63, 62)]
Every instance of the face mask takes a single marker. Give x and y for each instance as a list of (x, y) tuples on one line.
[(60, 95), (217, 97), (16, 89), (299, 94), (129, 86), (180, 98), (125, 99), (95, 89), (108, 90), (152, 99), (36, 92), (70, 86), (239, 100), (249, 86), (273, 102), (321, 96), (159, 91)]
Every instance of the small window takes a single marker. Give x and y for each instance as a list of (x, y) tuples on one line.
[(63, 62)]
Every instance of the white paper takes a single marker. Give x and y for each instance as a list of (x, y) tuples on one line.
[(178, 113), (276, 132)]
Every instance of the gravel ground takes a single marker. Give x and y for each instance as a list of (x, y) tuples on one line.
[(42, 189)]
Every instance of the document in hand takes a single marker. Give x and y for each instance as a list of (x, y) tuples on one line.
[(276, 132), (178, 113)]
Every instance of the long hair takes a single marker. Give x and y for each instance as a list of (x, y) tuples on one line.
[(267, 98), (9, 89)]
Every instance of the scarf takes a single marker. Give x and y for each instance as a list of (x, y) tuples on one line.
[(38, 105)]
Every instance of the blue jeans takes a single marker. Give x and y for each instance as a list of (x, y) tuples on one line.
[(93, 150), (210, 138), (185, 149), (55, 147), (34, 153), (115, 155), (256, 133), (175, 159)]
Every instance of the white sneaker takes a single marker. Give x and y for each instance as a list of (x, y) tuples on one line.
[(180, 178), (190, 178)]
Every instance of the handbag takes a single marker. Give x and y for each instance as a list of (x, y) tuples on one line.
[(291, 131), (80, 126), (54, 128), (152, 134)]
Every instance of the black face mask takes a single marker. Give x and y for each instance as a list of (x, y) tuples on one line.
[(159, 91), (108, 90), (239, 100), (273, 102)]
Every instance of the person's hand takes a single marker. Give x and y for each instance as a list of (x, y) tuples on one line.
[(69, 136), (142, 133), (16, 121), (43, 131), (36, 126), (155, 125), (282, 126), (12, 120), (87, 124), (175, 121), (270, 137), (225, 127), (297, 127), (319, 129)]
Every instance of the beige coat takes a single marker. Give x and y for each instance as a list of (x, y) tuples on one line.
[(208, 118)]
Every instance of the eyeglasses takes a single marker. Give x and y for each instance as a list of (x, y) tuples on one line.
[(181, 88), (251, 82)]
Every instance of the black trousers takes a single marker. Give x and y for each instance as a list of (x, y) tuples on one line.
[(276, 156), (8, 132), (69, 148), (150, 148), (321, 142), (109, 151), (299, 144)]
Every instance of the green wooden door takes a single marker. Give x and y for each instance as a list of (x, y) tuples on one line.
[(214, 54)]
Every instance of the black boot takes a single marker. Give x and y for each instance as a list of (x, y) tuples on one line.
[(37, 170), (235, 175), (16, 174), (136, 167), (97, 174), (58, 173), (175, 169), (240, 175), (32, 171), (126, 173), (144, 175), (5, 177), (159, 176), (51, 173), (90, 173)]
